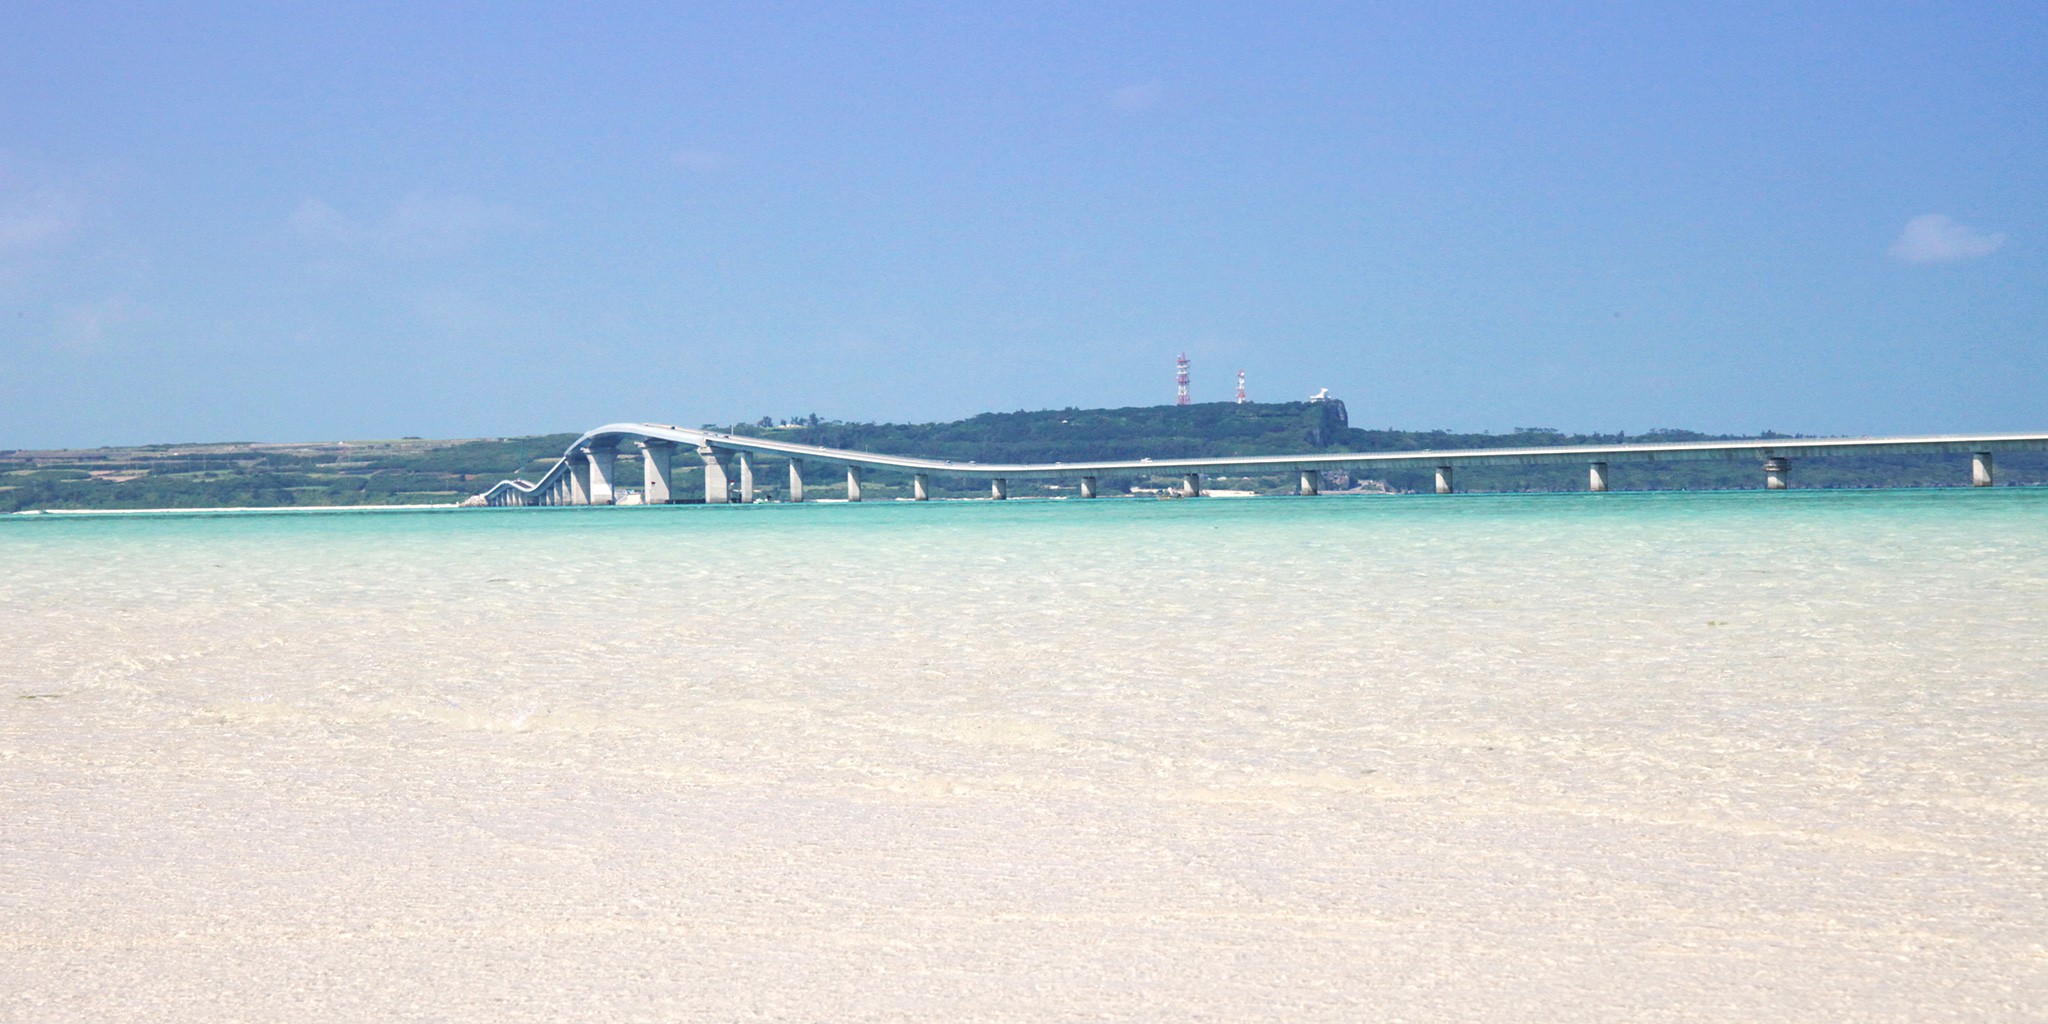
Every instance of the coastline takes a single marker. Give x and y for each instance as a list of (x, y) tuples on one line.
[(228, 508)]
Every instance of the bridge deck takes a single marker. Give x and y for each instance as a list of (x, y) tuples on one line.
[(612, 434)]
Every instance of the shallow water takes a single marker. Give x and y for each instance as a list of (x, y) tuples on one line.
[(1552, 757)]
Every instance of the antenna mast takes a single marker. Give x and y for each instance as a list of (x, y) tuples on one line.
[(1240, 387), (1180, 380)]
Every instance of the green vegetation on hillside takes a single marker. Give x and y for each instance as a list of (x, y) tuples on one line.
[(407, 472), (1276, 428), (413, 471), (1077, 435)]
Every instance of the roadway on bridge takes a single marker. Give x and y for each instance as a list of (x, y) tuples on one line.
[(1774, 453)]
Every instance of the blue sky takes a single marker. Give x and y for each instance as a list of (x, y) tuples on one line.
[(271, 222)]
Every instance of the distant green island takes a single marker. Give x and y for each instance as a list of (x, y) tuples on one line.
[(415, 471)]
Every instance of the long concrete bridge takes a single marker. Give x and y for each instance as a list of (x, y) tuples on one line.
[(585, 473)]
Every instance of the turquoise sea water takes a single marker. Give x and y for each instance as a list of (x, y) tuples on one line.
[(1484, 757)]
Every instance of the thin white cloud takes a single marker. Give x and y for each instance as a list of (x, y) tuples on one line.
[(83, 328), (449, 222), (415, 225), (1139, 96), (318, 221), (1937, 238), (702, 161), (35, 218), (458, 312)]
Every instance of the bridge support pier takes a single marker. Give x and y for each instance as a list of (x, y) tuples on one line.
[(603, 462), (1443, 480), (579, 479), (1191, 485), (1087, 487), (1777, 474), (717, 484), (1311, 483), (657, 467), (796, 480), (999, 489), (1980, 469), (921, 487), (1596, 476), (853, 483), (746, 477)]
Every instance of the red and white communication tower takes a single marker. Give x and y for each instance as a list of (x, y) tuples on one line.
[(1240, 387), (1180, 380)]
